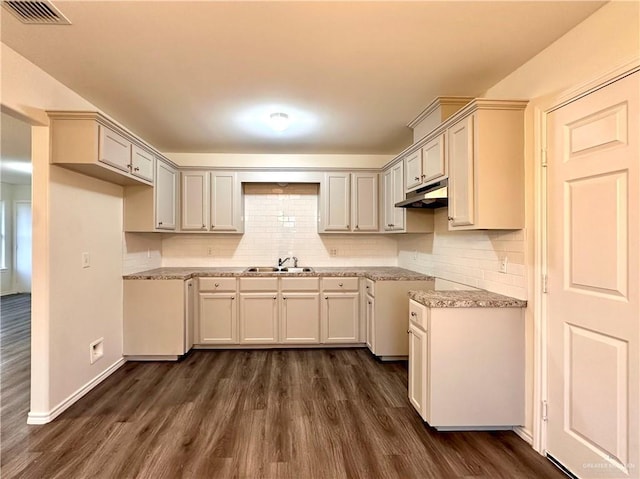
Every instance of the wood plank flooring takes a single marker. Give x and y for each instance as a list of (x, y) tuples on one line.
[(300, 414)]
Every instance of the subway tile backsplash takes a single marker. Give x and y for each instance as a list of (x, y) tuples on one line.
[(280, 221)]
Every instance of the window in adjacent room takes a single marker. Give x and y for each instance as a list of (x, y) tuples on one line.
[(3, 241)]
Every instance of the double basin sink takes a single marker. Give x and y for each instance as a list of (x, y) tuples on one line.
[(276, 269)]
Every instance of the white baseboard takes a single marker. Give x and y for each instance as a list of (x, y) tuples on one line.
[(524, 434), (35, 418)]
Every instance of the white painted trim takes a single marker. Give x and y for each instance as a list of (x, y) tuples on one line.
[(524, 434), (46, 417), (544, 106)]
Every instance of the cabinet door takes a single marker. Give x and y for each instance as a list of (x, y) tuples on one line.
[(142, 162), (259, 317), (300, 318), (365, 202), (340, 317), (217, 318), (433, 160), (115, 150), (195, 201), (387, 200), (370, 319), (461, 173), (336, 194), (413, 169), (226, 203), (418, 370), (189, 314), (165, 196), (397, 177)]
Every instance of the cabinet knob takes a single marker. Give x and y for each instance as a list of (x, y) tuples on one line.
[(347, 226), (369, 302), (204, 227), (217, 284), (326, 297), (357, 227), (417, 178), (275, 297), (159, 223), (129, 166), (136, 169), (285, 298), (233, 297), (450, 218), (367, 286), (340, 284), (413, 314), (408, 331), (423, 176)]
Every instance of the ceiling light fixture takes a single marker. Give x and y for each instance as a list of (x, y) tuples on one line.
[(279, 121)]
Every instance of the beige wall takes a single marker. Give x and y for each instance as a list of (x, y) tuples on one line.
[(71, 214)]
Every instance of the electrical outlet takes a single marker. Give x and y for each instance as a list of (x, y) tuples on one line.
[(503, 264), (86, 260), (333, 252), (96, 350)]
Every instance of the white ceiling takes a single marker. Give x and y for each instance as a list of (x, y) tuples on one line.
[(193, 76), (15, 151)]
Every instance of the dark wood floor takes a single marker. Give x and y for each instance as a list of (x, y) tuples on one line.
[(324, 414)]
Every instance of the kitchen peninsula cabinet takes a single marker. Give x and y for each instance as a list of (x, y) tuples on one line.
[(466, 365), (156, 318)]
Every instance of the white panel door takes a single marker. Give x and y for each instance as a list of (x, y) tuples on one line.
[(434, 161), (365, 202), (226, 207), (418, 370), (397, 185), (370, 311), (387, 200), (195, 200), (593, 283), (413, 169)]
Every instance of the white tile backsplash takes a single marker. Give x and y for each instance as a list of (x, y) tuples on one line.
[(141, 251), (280, 221), (469, 257)]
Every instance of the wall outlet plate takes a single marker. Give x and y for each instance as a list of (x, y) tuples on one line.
[(86, 260), (503, 264)]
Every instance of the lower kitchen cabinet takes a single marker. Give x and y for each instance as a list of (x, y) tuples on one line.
[(466, 366), (156, 315), (300, 318), (218, 318), (340, 317), (370, 312), (259, 318)]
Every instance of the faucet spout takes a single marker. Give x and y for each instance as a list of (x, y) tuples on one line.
[(281, 261)]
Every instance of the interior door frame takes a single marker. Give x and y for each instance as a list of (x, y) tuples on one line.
[(15, 240), (542, 108)]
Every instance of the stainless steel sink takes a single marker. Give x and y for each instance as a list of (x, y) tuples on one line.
[(275, 269)]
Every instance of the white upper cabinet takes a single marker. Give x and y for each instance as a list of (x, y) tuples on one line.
[(194, 195), (461, 183), (349, 203), (335, 201), (227, 215), (142, 163), (413, 169), (365, 201), (91, 144), (485, 146), (166, 196), (434, 162), (115, 149)]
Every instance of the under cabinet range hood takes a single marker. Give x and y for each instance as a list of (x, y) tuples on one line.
[(432, 196)]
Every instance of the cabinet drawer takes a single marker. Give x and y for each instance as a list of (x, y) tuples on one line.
[(340, 284), (369, 287), (300, 284), (217, 284), (258, 284), (418, 315)]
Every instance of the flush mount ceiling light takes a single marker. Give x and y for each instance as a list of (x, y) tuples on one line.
[(279, 121)]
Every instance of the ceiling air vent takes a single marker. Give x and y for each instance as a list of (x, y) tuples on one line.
[(36, 12)]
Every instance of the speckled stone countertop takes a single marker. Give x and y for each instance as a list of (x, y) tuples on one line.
[(465, 299), (375, 273)]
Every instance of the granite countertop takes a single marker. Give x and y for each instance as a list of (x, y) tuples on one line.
[(465, 299), (374, 273)]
